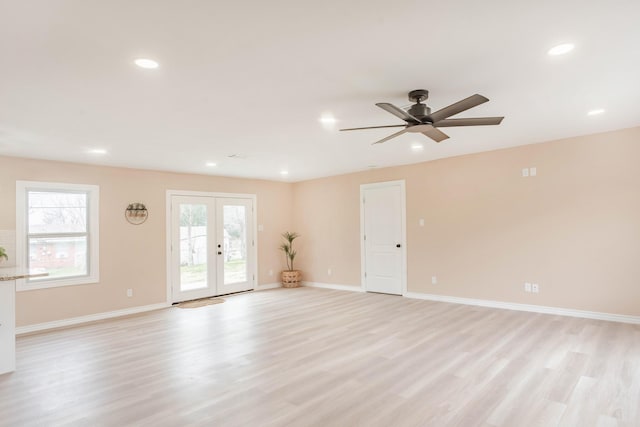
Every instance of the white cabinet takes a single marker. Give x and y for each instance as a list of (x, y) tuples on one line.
[(7, 326)]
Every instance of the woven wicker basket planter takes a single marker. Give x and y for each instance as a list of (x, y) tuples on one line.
[(291, 279)]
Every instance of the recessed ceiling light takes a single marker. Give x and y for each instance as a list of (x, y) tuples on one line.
[(327, 119), (284, 172), (146, 63), (211, 164), (416, 146), (561, 49), (595, 112), (97, 151)]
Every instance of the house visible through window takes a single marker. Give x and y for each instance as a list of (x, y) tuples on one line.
[(58, 231)]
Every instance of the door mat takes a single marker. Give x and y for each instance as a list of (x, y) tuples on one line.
[(200, 302)]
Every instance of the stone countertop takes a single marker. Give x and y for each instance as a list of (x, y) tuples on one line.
[(8, 273)]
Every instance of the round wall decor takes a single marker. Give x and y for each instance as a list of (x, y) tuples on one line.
[(136, 213)]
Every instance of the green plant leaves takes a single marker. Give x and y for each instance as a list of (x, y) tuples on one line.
[(287, 248)]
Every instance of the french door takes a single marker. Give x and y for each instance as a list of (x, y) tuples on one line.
[(212, 246)]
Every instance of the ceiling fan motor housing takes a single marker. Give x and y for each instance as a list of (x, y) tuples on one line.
[(419, 111)]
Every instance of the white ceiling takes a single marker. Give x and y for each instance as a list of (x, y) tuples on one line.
[(252, 78)]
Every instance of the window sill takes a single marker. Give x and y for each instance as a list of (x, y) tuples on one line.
[(23, 285)]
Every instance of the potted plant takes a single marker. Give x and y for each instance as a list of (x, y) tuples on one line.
[(3, 254), (290, 278)]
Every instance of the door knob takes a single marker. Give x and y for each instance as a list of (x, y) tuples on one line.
[(398, 245)]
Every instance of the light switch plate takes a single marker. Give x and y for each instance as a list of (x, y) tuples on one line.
[(533, 171), (525, 172)]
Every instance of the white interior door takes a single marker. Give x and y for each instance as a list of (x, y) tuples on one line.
[(212, 246), (383, 237)]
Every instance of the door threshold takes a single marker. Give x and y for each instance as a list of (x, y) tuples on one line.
[(213, 296), (383, 293)]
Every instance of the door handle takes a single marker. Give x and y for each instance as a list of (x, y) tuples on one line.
[(219, 253), (398, 245)]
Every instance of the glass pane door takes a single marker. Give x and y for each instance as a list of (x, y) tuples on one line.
[(191, 243), (212, 246), (234, 217)]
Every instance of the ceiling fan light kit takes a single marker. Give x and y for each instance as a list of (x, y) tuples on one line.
[(419, 118)]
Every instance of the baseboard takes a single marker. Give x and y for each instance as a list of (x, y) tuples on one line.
[(333, 286), (622, 318), (28, 329), (21, 330), (268, 286)]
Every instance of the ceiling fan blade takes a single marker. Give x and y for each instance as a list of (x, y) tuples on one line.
[(390, 136), (458, 107), (474, 121), (435, 134), (398, 112), (376, 127)]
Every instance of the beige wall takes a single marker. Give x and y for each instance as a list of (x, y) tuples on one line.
[(574, 228), (133, 256)]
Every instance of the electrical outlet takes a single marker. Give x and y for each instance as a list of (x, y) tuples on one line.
[(527, 287), (421, 222), (129, 293), (434, 280), (270, 272), (328, 272), (535, 288), (533, 171)]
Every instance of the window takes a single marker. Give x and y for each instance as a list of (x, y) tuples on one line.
[(57, 231)]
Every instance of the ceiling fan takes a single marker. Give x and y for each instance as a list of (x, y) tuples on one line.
[(420, 119)]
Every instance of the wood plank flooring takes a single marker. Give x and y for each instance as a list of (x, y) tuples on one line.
[(316, 357)]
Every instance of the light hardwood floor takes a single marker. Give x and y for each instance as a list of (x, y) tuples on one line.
[(316, 357)]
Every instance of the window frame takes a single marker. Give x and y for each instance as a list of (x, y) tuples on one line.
[(22, 235)]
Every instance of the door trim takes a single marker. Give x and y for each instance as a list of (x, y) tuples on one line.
[(169, 195), (403, 232)]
